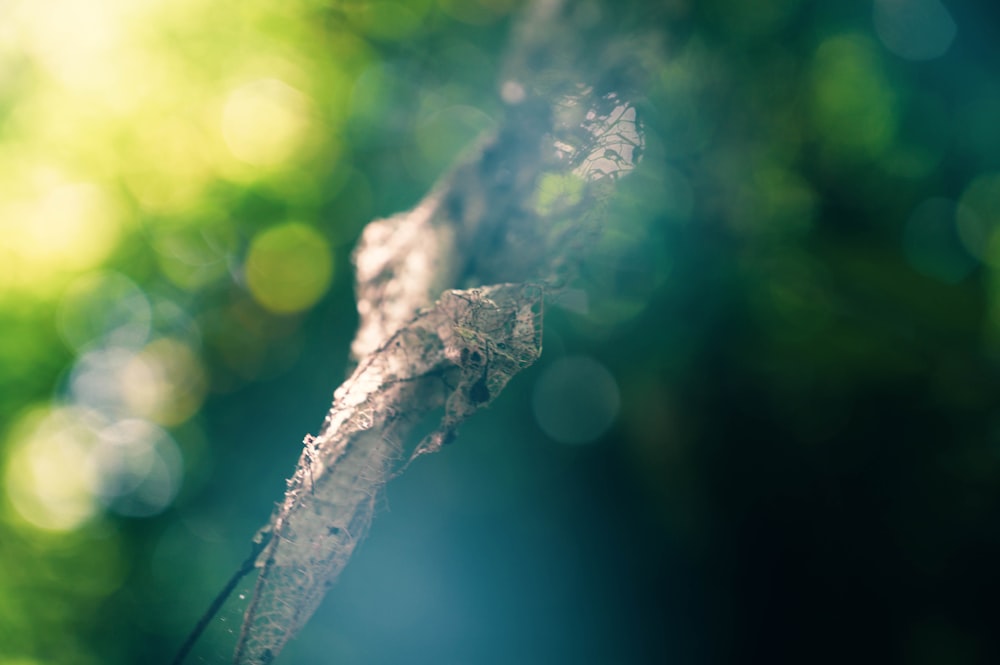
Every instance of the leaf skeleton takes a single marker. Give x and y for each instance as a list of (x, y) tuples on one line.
[(457, 356)]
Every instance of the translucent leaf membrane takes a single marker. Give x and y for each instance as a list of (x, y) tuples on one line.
[(457, 355)]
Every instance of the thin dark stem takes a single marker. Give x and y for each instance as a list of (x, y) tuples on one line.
[(220, 599)]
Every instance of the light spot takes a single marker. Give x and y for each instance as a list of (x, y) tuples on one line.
[(512, 92), (289, 268), (103, 308), (96, 381), (47, 475), (76, 41), (164, 382), (557, 192), (265, 122), (137, 468), (853, 105), (914, 29), (59, 228), (169, 162), (576, 400)]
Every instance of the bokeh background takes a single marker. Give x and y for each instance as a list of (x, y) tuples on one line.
[(767, 430)]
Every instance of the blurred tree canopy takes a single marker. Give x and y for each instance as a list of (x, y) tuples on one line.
[(764, 426)]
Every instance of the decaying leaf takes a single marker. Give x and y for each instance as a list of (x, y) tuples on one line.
[(454, 357)]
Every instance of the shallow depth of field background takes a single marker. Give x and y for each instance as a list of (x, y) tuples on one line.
[(766, 428)]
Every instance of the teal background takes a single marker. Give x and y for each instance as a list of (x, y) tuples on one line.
[(796, 296)]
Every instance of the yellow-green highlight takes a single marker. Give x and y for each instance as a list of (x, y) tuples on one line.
[(265, 121), (853, 105), (165, 382), (48, 475), (289, 268), (557, 192)]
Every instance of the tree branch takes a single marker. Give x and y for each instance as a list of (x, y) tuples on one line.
[(450, 300)]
